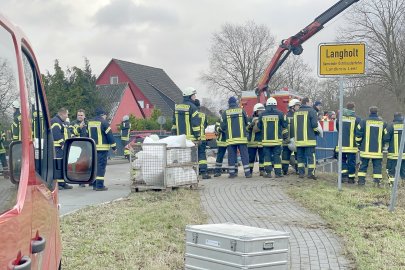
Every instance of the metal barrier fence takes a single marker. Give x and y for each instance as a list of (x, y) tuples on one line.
[(325, 147)]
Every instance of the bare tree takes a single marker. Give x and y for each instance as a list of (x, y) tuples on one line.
[(238, 56), (381, 24), (8, 88)]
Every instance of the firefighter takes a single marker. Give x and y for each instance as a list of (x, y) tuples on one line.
[(3, 158), (60, 134), (349, 148), (16, 126), (99, 130), (273, 125), (125, 128), (255, 146), (305, 132), (234, 123), (79, 126), (202, 146), (222, 146), (393, 138), (185, 118), (293, 106), (369, 137)]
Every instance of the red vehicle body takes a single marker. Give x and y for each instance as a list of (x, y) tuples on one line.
[(283, 96), (29, 216)]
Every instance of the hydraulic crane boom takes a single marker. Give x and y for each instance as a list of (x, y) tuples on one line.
[(294, 43)]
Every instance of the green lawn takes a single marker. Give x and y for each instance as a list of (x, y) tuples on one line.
[(144, 231), (374, 238)]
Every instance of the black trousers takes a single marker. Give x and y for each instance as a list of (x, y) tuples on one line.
[(101, 168)]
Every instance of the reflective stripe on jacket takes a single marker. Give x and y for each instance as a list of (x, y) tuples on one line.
[(348, 133), (370, 135), (393, 138), (186, 120), (100, 131), (234, 123), (305, 126), (273, 125)]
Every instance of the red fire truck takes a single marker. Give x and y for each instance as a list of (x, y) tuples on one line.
[(29, 216)]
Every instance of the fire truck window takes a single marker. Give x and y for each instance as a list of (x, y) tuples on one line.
[(38, 123), (10, 119)]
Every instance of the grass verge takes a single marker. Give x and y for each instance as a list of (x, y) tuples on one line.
[(373, 237), (144, 231)]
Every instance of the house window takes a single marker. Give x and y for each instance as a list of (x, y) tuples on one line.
[(141, 103), (114, 80)]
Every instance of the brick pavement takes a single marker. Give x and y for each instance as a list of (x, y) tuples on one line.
[(261, 202)]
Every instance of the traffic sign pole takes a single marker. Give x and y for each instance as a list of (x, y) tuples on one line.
[(397, 171), (340, 133)]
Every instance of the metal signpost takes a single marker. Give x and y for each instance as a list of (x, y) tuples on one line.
[(397, 171), (161, 121), (341, 60)]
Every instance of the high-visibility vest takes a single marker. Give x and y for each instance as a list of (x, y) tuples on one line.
[(370, 134), (305, 126), (235, 122), (100, 131), (273, 125)]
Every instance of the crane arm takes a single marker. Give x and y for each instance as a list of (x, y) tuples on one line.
[(294, 43)]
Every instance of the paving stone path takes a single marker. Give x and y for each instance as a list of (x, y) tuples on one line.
[(262, 203)]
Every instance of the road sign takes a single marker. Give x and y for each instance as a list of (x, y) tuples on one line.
[(161, 120), (342, 59)]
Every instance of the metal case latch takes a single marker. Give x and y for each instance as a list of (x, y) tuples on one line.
[(195, 237), (233, 245), (268, 245)]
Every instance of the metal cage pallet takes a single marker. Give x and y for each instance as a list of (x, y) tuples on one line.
[(156, 166)]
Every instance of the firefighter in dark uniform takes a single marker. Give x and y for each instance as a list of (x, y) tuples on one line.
[(305, 132), (3, 158), (185, 118), (234, 123), (393, 139), (16, 126), (222, 146), (274, 127), (255, 146), (79, 126), (349, 148), (293, 106), (99, 130), (60, 134), (202, 146), (125, 129), (370, 138)]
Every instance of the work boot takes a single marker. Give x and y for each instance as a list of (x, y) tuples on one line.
[(232, 175), (345, 179), (261, 173), (285, 172), (301, 176), (251, 170), (206, 176), (217, 174), (313, 177), (248, 175), (102, 188), (361, 181), (351, 180), (278, 176), (376, 182), (267, 175)]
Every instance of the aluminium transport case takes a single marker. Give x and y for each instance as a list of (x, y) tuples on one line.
[(229, 246)]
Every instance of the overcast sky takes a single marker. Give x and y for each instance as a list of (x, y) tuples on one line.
[(171, 34)]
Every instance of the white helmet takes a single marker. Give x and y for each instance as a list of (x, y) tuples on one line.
[(125, 118), (16, 104), (271, 102), (258, 107), (189, 91), (294, 102)]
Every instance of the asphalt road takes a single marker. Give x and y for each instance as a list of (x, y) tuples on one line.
[(116, 179)]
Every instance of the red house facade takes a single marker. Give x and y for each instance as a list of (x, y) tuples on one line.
[(119, 100), (151, 87)]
